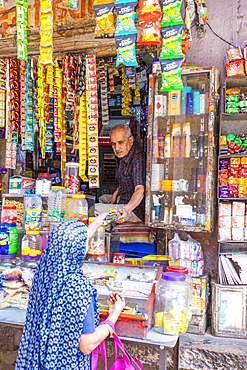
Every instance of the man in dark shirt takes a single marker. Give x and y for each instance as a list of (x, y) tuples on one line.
[(130, 175)]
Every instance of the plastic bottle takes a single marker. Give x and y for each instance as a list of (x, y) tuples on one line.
[(167, 146), (187, 132), (33, 212), (196, 102), (43, 183), (31, 248), (174, 102), (171, 304), (56, 204), (189, 100), (174, 247), (78, 208)]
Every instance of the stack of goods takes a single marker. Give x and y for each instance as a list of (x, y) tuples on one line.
[(233, 144), (233, 178), (21, 25), (235, 65), (236, 102), (46, 30), (186, 253), (2, 96), (232, 221)]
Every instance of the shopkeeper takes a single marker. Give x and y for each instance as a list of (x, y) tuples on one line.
[(130, 175)]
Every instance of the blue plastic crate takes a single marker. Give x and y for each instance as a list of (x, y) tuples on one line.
[(137, 249)]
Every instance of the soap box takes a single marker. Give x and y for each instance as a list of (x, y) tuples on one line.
[(21, 185)]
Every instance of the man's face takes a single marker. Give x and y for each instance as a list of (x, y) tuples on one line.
[(121, 144)]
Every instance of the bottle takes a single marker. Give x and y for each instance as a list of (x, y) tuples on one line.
[(33, 212), (194, 147), (56, 204), (187, 132), (189, 100), (167, 146), (174, 102), (31, 248), (171, 308), (182, 144), (78, 208), (156, 68), (201, 144), (43, 183), (196, 102), (176, 146), (201, 180)]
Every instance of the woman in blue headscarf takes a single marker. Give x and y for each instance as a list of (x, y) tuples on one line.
[(62, 318)]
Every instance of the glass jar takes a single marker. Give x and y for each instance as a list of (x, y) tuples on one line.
[(97, 257), (78, 208), (97, 242), (33, 212), (171, 304), (72, 180), (31, 246), (56, 204), (43, 183), (9, 215)]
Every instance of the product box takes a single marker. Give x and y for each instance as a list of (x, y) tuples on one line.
[(21, 185)]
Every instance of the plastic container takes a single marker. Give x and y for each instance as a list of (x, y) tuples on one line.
[(56, 204), (43, 183), (97, 242), (97, 257), (9, 215), (119, 258), (72, 180), (13, 237), (33, 212), (31, 246), (171, 311), (78, 208)]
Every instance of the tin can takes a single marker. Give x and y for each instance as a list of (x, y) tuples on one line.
[(119, 258)]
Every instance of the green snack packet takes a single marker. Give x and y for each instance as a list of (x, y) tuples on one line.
[(171, 42), (172, 74), (232, 110), (171, 10), (232, 98)]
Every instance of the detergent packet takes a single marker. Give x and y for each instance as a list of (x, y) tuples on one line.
[(126, 14), (171, 42), (171, 10), (105, 21), (171, 74), (126, 50)]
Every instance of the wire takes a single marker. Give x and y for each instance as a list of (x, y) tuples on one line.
[(220, 36)]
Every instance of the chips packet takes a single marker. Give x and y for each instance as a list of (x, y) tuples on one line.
[(171, 74), (150, 33), (105, 21), (126, 50), (150, 10), (171, 42), (126, 14), (171, 10), (235, 69)]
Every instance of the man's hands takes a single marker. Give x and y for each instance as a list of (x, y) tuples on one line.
[(113, 198)]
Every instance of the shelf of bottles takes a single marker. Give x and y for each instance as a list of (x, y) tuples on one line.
[(181, 155)]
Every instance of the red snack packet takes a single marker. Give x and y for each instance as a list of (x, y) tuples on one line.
[(235, 69)]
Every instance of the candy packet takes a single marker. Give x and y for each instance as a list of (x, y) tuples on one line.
[(171, 10), (126, 15), (234, 54), (171, 42), (171, 74), (126, 50), (105, 21)]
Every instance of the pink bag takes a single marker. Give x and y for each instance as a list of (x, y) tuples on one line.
[(127, 362)]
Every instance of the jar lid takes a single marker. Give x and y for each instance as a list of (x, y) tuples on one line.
[(79, 196), (180, 269), (33, 195), (72, 164), (119, 254), (44, 174), (58, 187), (173, 276), (8, 225), (9, 207), (97, 255), (7, 255), (90, 219), (32, 232)]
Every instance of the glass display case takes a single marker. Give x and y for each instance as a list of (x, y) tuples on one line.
[(181, 154)]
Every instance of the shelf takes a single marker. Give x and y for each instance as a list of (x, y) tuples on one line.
[(232, 155), (159, 224), (183, 192), (234, 116), (168, 116), (233, 199), (232, 241)]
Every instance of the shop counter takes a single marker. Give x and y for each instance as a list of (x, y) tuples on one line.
[(14, 316)]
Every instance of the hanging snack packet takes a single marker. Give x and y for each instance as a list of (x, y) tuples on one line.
[(126, 50), (150, 33), (149, 10), (171, 74), (105, 21), (235, 69), (171, 10), (172, 42), (126, 14)]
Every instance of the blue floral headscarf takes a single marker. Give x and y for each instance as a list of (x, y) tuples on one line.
[(58, 304)]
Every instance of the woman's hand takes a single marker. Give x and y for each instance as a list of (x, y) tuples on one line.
[(116, 305), (96, 223)]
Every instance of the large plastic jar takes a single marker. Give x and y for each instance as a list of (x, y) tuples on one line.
[(13, 238), (72, 180), (31, 246), (9, 215), (56, 204), (78, 208), (171, 312), (43, 183), (97, 258), (8, 240), (33, 212), (97, 242)]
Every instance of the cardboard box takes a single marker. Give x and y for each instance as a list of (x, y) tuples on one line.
[(21, 185)]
